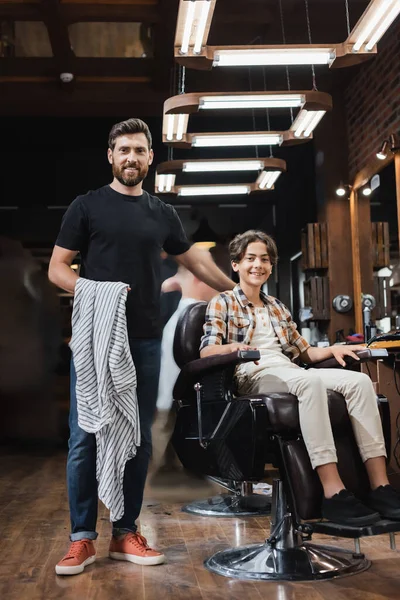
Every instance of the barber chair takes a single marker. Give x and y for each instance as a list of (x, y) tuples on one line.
[(231, 437)]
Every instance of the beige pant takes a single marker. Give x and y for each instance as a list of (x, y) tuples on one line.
[(310, 387)]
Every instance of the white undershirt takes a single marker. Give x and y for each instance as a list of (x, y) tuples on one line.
[(267, 342)]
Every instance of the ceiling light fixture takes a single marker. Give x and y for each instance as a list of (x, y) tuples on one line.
[(268, 171), (312, 104), (194, 22), (374, 22), (245, 57)]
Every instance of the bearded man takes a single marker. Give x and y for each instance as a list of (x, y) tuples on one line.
[(120, 231)]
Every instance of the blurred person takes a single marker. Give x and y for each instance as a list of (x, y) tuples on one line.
[(120, 231), (30, 329), (192, 290)]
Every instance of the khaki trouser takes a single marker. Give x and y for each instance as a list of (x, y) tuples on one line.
[(310, 386)]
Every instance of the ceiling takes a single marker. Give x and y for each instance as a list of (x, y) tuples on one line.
[(120, 67)]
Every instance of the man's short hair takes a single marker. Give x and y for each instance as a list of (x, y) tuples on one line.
[(238, 246), (127, 127)]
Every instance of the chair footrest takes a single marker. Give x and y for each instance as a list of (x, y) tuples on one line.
[(347, 531)]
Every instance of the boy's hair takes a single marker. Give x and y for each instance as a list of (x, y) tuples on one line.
[(126, 127), (238, 246)]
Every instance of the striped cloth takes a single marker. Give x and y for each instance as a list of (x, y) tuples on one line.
[(106, 383)]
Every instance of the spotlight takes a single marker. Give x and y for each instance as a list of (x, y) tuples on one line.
[(366, 190), (342, 189), (392, 144), (382, 154)]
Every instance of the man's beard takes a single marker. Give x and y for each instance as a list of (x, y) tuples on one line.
[(129, 180)]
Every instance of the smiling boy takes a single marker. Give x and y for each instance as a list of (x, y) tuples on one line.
[(246, 318)]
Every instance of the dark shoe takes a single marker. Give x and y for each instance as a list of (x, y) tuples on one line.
[(345, 509), (386, 500)]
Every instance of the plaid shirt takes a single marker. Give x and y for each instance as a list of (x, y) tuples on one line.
[(230, 318)]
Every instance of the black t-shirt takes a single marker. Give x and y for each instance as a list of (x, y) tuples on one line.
[(120, 238)]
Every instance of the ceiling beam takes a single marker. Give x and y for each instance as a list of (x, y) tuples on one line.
[(74, 13), (64, 56), (84, 66)]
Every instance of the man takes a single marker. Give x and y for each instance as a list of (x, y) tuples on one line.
[(120, 231)]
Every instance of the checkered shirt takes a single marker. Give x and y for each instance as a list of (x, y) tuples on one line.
[(230, 317)]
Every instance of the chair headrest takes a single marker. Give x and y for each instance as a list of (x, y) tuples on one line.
[(188, 333)]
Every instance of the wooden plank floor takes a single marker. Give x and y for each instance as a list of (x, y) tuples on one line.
[(34, 525)]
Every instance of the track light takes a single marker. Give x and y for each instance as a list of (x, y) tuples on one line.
[(382, 154), (392, 144)]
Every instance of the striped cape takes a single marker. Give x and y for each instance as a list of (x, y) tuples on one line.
[(106, 383)]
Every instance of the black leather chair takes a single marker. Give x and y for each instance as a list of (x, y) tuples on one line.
[(222, 435)]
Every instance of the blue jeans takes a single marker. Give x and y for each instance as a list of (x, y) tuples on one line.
[(81, 463)]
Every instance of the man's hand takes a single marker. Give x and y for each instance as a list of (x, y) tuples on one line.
[(339, 352)]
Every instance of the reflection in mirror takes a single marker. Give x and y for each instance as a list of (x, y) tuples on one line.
[(386, 248)]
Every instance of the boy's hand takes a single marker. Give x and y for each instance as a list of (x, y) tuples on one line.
[(238, 346), (340, 351)]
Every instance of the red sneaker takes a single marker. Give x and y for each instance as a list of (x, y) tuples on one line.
[(133, 547), (79, 555)]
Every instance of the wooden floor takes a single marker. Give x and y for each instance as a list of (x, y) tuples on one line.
[(34, 525)]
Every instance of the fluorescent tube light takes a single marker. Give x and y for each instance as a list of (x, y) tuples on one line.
[(317, 116), (176, 125), (268, 179), (388, 20), (236, 139), (165, 182), (170, 126), (213, 190), (222, 165), (378, 17), (181, 126), (255, 57), (201, 26), (252, 101), (191, 7), (306, 121)]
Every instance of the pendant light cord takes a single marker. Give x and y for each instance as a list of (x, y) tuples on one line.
[(253, 112), (284, 42), (310, 42), (267, 112), (346, 3)]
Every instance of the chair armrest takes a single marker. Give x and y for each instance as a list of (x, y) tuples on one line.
[(201, 365), (193, 371), (364, 356)]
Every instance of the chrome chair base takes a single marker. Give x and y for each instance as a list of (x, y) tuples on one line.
[(306, 562), (231, 505)]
